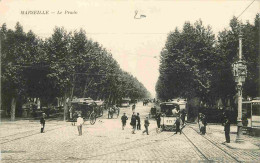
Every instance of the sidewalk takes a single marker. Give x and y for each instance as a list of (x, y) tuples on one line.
[(216, 135)]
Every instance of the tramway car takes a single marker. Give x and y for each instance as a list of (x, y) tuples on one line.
[(251, 113), (125, 102), (170, 111)]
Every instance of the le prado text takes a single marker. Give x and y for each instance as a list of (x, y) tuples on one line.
[(48, 12)]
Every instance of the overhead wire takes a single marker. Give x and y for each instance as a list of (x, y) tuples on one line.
[(246, 9)]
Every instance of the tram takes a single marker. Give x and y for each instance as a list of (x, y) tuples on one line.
[(170, 111), (125, 102), (251, 113)]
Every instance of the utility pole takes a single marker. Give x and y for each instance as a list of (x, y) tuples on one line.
[(239, 72), (0, 73)]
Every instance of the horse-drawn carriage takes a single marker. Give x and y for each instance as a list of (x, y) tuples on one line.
[(87, 108), (153, 111)]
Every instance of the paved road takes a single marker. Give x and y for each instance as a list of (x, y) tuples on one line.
[(104, 141)]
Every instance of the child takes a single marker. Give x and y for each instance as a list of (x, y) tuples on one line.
[(146, 124), (124, 118)]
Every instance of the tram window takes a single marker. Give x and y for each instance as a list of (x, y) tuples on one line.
[(182, 107), (256, 110), (167, 109)]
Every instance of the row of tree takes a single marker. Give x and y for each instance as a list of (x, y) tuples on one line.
[(195, 63), (64, 65)]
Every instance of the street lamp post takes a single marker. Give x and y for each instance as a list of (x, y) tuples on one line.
[(239, 72)]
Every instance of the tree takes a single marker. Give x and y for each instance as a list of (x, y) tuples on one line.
[(185, 63)]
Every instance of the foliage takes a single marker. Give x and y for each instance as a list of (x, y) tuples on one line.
[(63, 65), (195, 64)]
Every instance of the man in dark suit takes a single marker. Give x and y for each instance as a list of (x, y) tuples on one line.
[(138, 122), (158, 120), (146, 125), (124, 118), (178, 123), (133, 122), (42, 121), (183, 115), (227, 128)]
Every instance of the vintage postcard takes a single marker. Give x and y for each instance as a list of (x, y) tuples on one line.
[(130, 81)]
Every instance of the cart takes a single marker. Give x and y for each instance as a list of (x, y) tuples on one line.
[(88, 109)]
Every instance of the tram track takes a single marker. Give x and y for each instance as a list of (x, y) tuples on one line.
[(134, 146), (3, 137), (34, 132), (211, 142), (198, 150)]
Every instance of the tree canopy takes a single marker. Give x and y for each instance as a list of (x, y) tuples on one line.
[(67, 64), (195, 63)]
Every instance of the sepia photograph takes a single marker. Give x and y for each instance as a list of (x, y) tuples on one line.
[(129, 81)]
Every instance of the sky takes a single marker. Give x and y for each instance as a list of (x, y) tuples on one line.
[(134, 43)]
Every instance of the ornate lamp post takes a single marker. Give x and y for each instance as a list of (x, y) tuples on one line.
[(239, 72)]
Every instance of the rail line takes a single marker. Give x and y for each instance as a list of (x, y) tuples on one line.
[(212, 142), (27, 135), (205, 157), (133, 147)]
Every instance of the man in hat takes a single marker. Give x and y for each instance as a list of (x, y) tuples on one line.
[(133, 108), (80, 122), (227, 128), (124, 118), (138, 122), (42, 121), (177, 123), (133, 122)]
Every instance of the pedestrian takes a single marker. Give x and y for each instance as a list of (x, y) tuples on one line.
[(75, 116), (183, 115), (177, 123), (138, 122), (177, 111), (227, 128), (158, 120), (124, 118), (200, 122), (133, 108), (71, 115), (204, 122), (133, 122), (146, 125), (80, 122), (42, 121)]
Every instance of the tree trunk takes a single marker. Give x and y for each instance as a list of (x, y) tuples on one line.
[(109, 98), (13, 105), (86, 87), (65, 107)]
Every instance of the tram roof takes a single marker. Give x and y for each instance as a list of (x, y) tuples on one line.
[(83, 100), (169, 103), (126, 99)]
